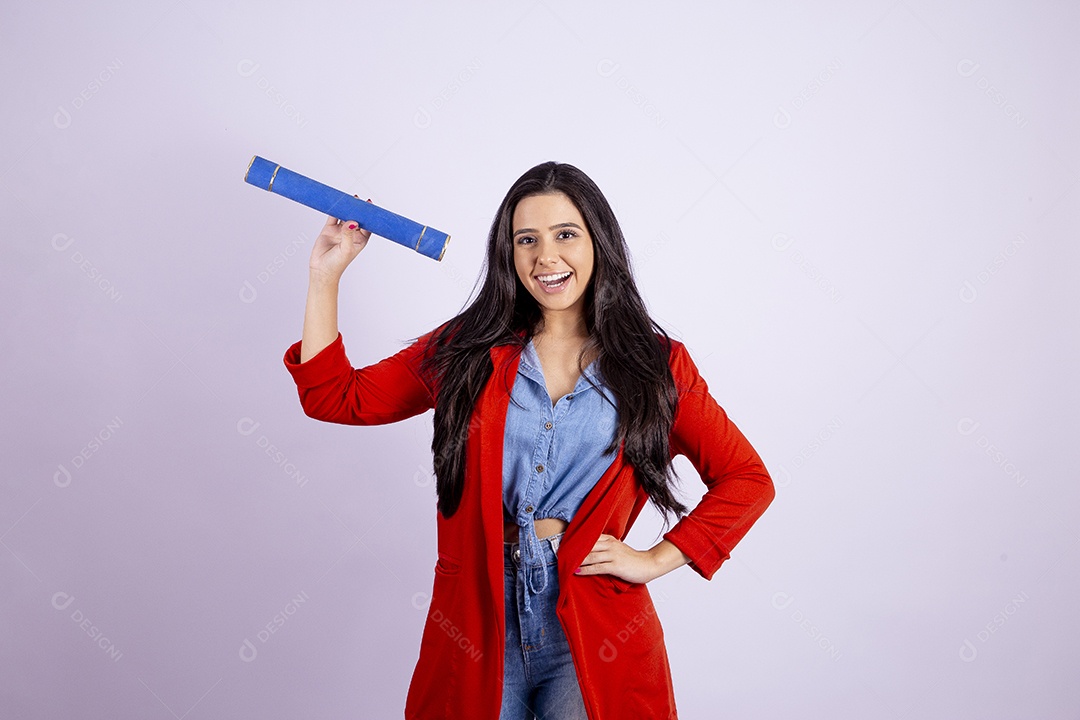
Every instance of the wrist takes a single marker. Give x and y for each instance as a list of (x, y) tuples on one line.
[(665, 557), (319, 281)]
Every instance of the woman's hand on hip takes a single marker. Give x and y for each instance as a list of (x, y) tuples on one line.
[(614, 557)]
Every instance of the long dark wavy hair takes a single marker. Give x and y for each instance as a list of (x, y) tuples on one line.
[(632, 358)]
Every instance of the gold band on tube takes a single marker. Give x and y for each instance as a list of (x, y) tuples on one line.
[(444, 248), (272, 178), (417, 248)]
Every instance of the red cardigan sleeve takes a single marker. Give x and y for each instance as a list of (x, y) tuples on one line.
[(332, 390), (739, 486)]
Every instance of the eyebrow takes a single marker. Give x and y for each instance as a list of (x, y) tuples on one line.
[(560, 225)]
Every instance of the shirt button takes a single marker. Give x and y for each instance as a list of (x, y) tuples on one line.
[(528, 508), (547, 426), (539, 468)]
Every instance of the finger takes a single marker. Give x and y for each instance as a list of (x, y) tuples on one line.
[(331, 221), (357, 233), (594, 556), (602, 542), (591, 568)]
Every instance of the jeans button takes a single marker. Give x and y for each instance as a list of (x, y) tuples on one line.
[(517, 553)]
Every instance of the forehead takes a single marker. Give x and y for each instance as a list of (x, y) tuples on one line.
[(544, 210)]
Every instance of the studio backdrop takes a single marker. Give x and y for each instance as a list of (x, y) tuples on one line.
[(860, 218)]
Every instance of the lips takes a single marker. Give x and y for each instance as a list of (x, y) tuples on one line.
[(554, 282)]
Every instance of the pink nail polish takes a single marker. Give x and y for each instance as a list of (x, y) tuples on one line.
[(577, 571), (352, 226)]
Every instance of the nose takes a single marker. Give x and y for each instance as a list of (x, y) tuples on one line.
[(546, 253)]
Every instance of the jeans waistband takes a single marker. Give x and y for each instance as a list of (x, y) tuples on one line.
[(549, 546)]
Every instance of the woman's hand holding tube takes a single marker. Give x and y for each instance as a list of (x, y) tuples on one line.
[(337, 245)]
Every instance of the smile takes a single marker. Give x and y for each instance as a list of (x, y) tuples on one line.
[(555, 281)]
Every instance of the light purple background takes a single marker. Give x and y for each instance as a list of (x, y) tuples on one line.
[(861, 219)]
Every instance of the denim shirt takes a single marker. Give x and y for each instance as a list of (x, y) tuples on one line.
[(552, 456)]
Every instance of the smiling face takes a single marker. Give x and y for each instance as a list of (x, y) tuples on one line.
[(551, 242)]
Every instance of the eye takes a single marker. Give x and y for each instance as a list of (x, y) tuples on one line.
[(565, 234)]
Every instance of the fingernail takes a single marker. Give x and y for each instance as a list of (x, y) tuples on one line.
[(352, 226), (577, 571)]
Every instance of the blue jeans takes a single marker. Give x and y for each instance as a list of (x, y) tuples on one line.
[(538, 679)]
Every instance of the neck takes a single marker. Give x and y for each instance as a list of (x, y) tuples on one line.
[(560, 326)]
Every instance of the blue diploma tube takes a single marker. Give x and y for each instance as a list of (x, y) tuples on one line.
[(421, 238)]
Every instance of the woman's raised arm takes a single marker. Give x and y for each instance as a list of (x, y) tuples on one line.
[(337, 245), (330, 388)]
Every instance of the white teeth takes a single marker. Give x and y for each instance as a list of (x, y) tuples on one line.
[(552, 278)]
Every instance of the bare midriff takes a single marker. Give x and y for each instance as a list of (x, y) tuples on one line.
[(544, 528)]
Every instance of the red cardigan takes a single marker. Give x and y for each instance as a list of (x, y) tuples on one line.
[(615, 636)]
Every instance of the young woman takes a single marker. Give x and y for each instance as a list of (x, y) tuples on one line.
[(558, 410)]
